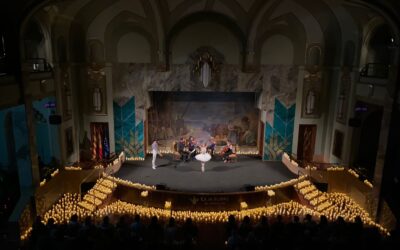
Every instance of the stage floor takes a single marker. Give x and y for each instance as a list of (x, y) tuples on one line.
[(218, 176)]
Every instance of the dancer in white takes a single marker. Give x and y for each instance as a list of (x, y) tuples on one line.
[(203, 157), (154, 149)]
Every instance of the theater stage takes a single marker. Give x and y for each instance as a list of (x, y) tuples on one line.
[(218, 176)]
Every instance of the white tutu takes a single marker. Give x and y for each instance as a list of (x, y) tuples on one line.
[(203, 157)]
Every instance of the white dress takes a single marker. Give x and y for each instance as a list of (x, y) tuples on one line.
[(203, 156)]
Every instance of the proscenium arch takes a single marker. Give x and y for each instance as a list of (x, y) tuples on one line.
[(205, 16)]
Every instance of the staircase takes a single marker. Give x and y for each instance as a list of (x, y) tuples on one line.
[(315, 198), (97, 195)]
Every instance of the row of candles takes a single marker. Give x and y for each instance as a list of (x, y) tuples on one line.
[(72, 168), (135, 158), (281, 184), (96, 195), (334, 205), (129, 183), (44, 181), (315, 197), (169, 151), (332, 168)]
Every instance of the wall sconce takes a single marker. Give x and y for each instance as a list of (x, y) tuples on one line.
[(97, 102), (310, 102)]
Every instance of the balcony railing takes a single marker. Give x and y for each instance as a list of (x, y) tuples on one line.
[(375, 70), (35, 65)]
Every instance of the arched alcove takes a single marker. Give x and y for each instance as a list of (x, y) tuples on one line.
[(96, 51), (314, 55), (133, 48), (33, 41), (277, 49), (379, 45)]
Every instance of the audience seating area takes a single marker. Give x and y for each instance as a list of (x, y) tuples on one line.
[(267, 233)]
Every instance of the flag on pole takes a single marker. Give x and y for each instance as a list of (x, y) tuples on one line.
[(100, 143), (94, 142)]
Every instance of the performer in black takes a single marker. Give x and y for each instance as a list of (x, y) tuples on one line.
[(211, 146), (192, 148), (181, 149), (226, 151)]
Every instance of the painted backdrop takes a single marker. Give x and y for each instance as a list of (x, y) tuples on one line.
[(276, 83), (224, 116)]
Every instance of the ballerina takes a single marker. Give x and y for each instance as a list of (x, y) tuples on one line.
[(203, 157)]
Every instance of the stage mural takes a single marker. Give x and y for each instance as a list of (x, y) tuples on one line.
[(222, 116), (279, 133), (129, 135), (273, 82)]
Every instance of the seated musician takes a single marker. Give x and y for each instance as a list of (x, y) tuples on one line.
[(227, 151), (211, 147), (191, 148), (181, 149)]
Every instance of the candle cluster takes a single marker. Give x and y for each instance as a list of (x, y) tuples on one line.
[(167, 204), (26, 234), (135, 158), (369, 184), (315, 198), (340, 205), (169, 151), (271, 193), (72, 168), (309, 167), (335, 168), (280, 185), (239, 152), (98, 194), (288, 158), (99, 166), (352, 172), (55, 172), (286, 209), (128, 183), (67, 206), (348, 209)]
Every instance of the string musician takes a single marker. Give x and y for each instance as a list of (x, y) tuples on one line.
[(226, 151), (191, 146), (182, 149)]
